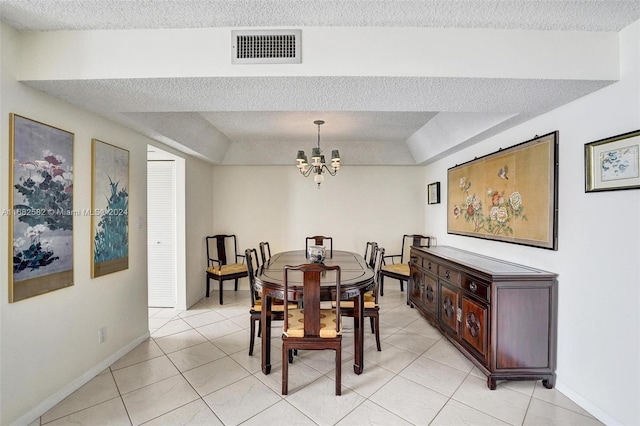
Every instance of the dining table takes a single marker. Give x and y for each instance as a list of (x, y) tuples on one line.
[(356, 277)]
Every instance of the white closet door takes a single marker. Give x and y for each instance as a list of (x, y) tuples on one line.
[(161, 233)]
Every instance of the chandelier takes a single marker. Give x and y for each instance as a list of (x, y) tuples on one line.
[(317, 165)]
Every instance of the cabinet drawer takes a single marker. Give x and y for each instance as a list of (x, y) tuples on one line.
[(477, 287), (430, 265), (451, 275)]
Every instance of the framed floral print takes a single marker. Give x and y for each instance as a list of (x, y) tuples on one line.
[(613, 163), (41, 200), (109, 209), (510, 195)]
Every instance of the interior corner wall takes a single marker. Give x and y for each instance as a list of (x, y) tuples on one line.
[(50, 342), (598, 245), (359, 204)]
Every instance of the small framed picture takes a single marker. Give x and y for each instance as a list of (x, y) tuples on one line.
[(433, 192), (613, 163)]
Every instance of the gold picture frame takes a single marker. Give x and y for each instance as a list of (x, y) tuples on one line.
[(613, 163), (41, 200), (109, 208), (510, 195)]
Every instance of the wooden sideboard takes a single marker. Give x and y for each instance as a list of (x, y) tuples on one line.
[(500, 315)]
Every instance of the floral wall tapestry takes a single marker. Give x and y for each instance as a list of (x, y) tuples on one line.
[(41, 220), (110, 204), (510, 195)]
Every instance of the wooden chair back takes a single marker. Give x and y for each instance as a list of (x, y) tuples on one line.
[(409, 240), (222, 249), (311, 326), (265, 251), (311, 296), (377, 268), (251, 256), (370, 253), (319, 240)]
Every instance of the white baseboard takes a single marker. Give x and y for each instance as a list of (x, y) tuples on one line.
[(587, 405), (54, 399)]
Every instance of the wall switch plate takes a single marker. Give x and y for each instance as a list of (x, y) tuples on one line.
[(102, 335)]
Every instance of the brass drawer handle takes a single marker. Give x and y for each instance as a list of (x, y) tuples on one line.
[(429, 266), (473, 287), (447, 274)]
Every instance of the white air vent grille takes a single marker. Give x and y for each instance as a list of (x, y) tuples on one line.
[(266, 47)]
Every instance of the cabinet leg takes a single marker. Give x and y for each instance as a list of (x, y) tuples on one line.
[(549, 383), (491, 383)]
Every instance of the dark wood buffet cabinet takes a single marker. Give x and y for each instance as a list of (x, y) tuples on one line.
[(502, 316)]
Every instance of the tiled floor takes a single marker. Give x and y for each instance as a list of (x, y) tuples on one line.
[(196, 370)]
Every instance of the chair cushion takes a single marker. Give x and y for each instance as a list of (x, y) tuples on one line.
[(234, 268), (397, 268), (369, 301), (327, 323), (274, 307)]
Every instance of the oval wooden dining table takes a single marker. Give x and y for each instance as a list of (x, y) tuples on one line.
[(356, 278)]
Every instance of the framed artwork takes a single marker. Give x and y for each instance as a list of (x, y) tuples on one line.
[(41, 198), (109, 209), (613, 163), (510, 195), (433, 192)]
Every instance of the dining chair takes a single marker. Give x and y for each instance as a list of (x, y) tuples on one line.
[(371, 305), (277, 308), (264, 250), (223, 261), (311, 328), (370, 253), (318, 240), (396, 266)]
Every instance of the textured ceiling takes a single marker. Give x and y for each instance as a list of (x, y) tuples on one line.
[(578, 15), (372, 120)]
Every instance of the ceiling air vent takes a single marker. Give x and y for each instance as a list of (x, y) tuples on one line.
[(265, 47)]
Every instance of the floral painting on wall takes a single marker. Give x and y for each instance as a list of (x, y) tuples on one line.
[(613, 163), (41, 219), (110, 209), (509, 195)]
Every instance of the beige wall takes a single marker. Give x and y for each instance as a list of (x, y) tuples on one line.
[(359, 204)]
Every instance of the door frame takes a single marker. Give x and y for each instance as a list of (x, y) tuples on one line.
[(157, 154)]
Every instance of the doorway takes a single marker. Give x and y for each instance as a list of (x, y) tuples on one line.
[(165, 229)]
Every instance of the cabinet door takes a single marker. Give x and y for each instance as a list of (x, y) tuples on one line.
[(415, 284), (448, 307), (429, 292), (474, 325)]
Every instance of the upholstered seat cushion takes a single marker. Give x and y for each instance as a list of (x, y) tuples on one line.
[(275, 307), (327, 323), (234, 268), (397, 268), (369, 301)]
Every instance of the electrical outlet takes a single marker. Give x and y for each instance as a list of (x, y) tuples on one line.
[(102, 335)]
